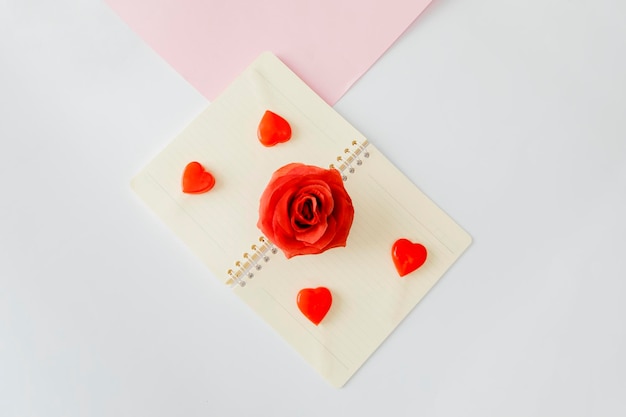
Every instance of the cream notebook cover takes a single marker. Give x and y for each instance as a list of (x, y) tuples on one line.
[(369, 297)]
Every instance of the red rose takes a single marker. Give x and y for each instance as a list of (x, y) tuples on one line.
[(305, 210)]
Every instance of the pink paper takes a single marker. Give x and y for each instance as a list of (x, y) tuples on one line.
[(328, 43)]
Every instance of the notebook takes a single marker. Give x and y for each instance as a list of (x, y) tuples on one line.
[(369, 297)]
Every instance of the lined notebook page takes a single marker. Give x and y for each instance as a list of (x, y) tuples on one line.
[(369, 298)]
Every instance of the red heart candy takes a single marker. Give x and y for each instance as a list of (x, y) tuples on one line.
[(314, 303), (196, 179), (273, 129), (408, 256)]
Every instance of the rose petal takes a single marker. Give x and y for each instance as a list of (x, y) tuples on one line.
[(305, 211), (323, 193), (313, 234), (325, 239), (281, 220)]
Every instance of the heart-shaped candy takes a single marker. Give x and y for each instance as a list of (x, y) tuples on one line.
[(408, 256), (196, 179), (273, 129), (314, 303)]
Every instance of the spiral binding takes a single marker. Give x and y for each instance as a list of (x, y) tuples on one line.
[(252, 261), (260, 254), (350, 157)]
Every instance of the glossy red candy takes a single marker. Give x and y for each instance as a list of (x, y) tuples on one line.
[(196, 180), (314, 303), (273, 129), (408, 256)]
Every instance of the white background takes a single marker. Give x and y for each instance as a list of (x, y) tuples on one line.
[(509, 114)]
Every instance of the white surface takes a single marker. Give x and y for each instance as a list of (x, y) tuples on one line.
[(104, 312), (370, 299)]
